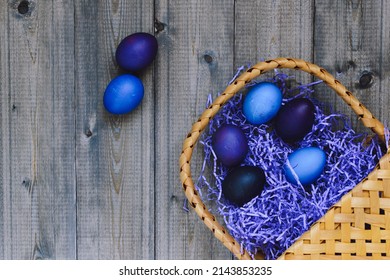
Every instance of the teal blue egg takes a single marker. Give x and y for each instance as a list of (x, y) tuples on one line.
[(262, 103), (307, 163)]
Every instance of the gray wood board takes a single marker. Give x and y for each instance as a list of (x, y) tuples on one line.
[(196, 59), (37, 132), (77, 182), (114, 154), (271, 29), (350, 40)]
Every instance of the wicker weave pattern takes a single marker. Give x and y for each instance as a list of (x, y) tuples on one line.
[(343, 232), (357, 227)]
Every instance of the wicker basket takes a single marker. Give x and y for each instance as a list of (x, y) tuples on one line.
[(357, 227)]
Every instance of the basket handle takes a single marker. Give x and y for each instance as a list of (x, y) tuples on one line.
[(189, 143)]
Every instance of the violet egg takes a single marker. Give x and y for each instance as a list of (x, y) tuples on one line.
[(136, 51), (262, 103), (123, 94), (306, 165), (230, 144), (295, 119), (243, 184)]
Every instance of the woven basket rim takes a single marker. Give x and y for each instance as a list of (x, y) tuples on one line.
[(234, 87)]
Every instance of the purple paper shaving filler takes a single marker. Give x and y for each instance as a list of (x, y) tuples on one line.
[(272, 221)]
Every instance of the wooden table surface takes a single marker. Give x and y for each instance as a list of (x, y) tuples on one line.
[(79, 183)]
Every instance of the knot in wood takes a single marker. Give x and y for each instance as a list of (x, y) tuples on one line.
[(23, 7), (366, 79)]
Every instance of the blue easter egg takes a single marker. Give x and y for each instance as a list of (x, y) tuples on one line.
[(123, 94), (262, 103), (307, 163), (136, 51)]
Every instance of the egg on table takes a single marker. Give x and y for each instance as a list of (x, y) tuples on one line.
[(230, 144), (243, 184), (306, 165), (135, 52), (262, 103), (295, 119), (123, 94)]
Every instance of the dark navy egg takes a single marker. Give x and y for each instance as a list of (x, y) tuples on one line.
[(295, 119), (230, 144), (243, 184), (123, 94), (136, 51)]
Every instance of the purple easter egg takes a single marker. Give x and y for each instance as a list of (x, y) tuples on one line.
[(295, 119), (230, 144), (136, 51)]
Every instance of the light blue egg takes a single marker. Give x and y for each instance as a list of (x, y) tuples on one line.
[(308, 164), (262, 103)]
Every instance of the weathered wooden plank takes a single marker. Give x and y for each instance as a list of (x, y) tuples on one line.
[(4, 144), (196, 58), (37, 131), (270, 29), (348, 43), (114, 155), (383, 101)]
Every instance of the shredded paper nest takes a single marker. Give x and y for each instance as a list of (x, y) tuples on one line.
[(271, 222)]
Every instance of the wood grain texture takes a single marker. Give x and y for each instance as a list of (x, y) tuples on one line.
[(4, 144), (195, 59), (38, 174), (348, 43), (114, 159), (270, 29), (77, 182), (383, 101)]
